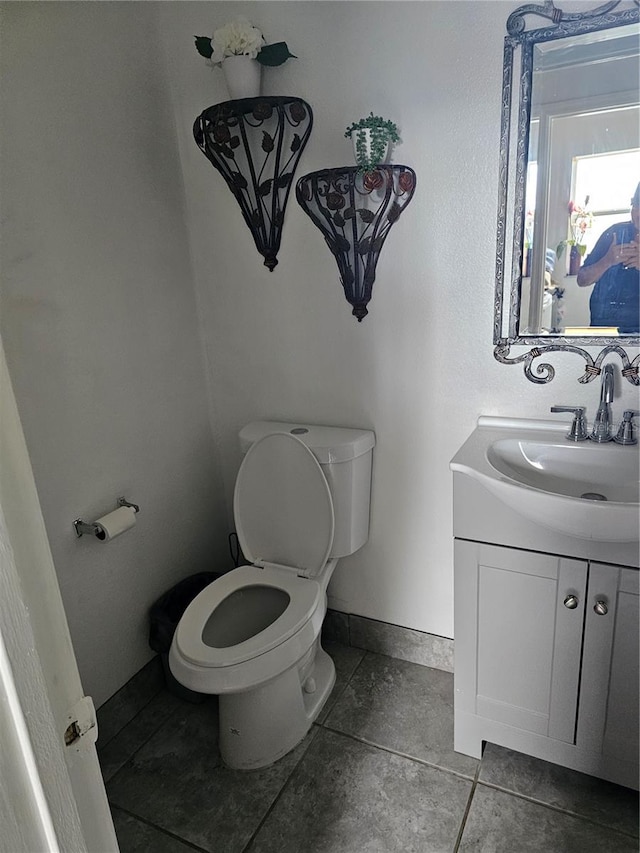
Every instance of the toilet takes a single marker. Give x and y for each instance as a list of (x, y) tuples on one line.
[(252, 637)]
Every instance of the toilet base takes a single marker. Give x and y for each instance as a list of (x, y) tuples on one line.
[(259, 726)]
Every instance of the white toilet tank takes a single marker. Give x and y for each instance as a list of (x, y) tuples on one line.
[(345, 458)]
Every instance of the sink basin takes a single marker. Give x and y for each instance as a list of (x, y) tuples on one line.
[(587, 471), (583, 489)]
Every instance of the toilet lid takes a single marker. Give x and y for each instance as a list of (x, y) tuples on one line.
[(282, 505)]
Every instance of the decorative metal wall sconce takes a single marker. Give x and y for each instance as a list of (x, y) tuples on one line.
[(355, 212), (255, 144)]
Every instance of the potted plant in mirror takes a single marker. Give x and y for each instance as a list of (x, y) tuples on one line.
[(240, 50), (372, 137), (580, 220)]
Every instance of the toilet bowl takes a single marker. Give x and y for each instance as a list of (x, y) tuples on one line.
[(252, 637)]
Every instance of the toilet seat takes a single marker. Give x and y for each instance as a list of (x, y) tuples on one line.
[(285, 524), (282, 505), (304, 597)]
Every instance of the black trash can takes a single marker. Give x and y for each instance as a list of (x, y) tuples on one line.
[(164, 616)]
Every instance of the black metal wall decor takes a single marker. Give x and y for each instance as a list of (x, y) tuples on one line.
[(355, 212), (255, 144)]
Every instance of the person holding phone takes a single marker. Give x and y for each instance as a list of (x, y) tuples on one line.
[(614, 267)]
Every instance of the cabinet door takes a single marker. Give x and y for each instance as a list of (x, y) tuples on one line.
[(608, 722), (518, 637)]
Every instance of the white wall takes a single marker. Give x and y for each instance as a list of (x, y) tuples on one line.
[(99, 319), (419, 369)]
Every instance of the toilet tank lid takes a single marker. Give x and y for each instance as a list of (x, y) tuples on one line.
[(329, 444)]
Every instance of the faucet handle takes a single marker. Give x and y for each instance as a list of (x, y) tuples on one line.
[(626, 432), (578, 429)]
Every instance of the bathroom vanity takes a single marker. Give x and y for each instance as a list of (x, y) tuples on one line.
[(546, 597)]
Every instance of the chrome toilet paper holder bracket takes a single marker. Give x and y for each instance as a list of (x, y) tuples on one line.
[(125, 502), (93, 529)]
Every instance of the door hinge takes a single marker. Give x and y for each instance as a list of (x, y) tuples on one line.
[(82, 724)]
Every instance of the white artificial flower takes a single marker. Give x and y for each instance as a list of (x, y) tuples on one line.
[(237, 38)]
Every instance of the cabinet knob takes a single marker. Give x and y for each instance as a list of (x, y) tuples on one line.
[(571, 602), (600, 607)]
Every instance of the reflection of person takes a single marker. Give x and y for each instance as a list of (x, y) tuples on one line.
[(614, 266)]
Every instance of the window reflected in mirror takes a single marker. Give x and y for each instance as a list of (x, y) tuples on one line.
[(583, 168)]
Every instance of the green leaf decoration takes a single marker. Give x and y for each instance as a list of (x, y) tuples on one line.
[(203, 46), (265, 188), (363, 246), (284, 180), (234, 141), (337, 219), (275, 54), (267, 142), (296, 142), (349, 212), (366, 215)]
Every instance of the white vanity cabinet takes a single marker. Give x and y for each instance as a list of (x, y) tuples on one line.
[(547, 658)]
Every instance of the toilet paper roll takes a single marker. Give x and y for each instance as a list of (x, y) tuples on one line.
[(115, 523)]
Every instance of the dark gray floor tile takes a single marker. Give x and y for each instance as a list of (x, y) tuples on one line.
[(346, 661), (586, 796), (137, 837), (123, 706), (404, 643), (348, 797), (501, 823), (129, 739), (402, 706), (177, 781)]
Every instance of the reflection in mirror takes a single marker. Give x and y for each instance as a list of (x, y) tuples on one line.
[(567, 270)]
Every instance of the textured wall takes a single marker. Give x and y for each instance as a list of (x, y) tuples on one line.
[(419, 369), (99, 318), (106, 334)]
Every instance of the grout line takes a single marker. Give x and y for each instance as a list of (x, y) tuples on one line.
[(128, 722), (475, 782), (397, 752), (140, 743), (276, 799), (161, 829), (558, 809), (161, 687), (365, 652), (474, 785)]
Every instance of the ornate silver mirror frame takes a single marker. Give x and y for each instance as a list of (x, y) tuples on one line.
[(514, 147)]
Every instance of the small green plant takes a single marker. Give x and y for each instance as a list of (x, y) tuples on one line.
[(580, 220), (580, 248), (372, 136)]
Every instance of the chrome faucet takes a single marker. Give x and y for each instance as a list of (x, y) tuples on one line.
[(601, 431)]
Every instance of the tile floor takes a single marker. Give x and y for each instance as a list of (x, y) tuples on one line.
[(376, 774)]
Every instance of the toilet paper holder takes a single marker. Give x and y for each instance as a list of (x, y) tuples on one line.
[(93, 529)]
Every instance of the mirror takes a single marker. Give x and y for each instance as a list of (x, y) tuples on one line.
[(569, 170)]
